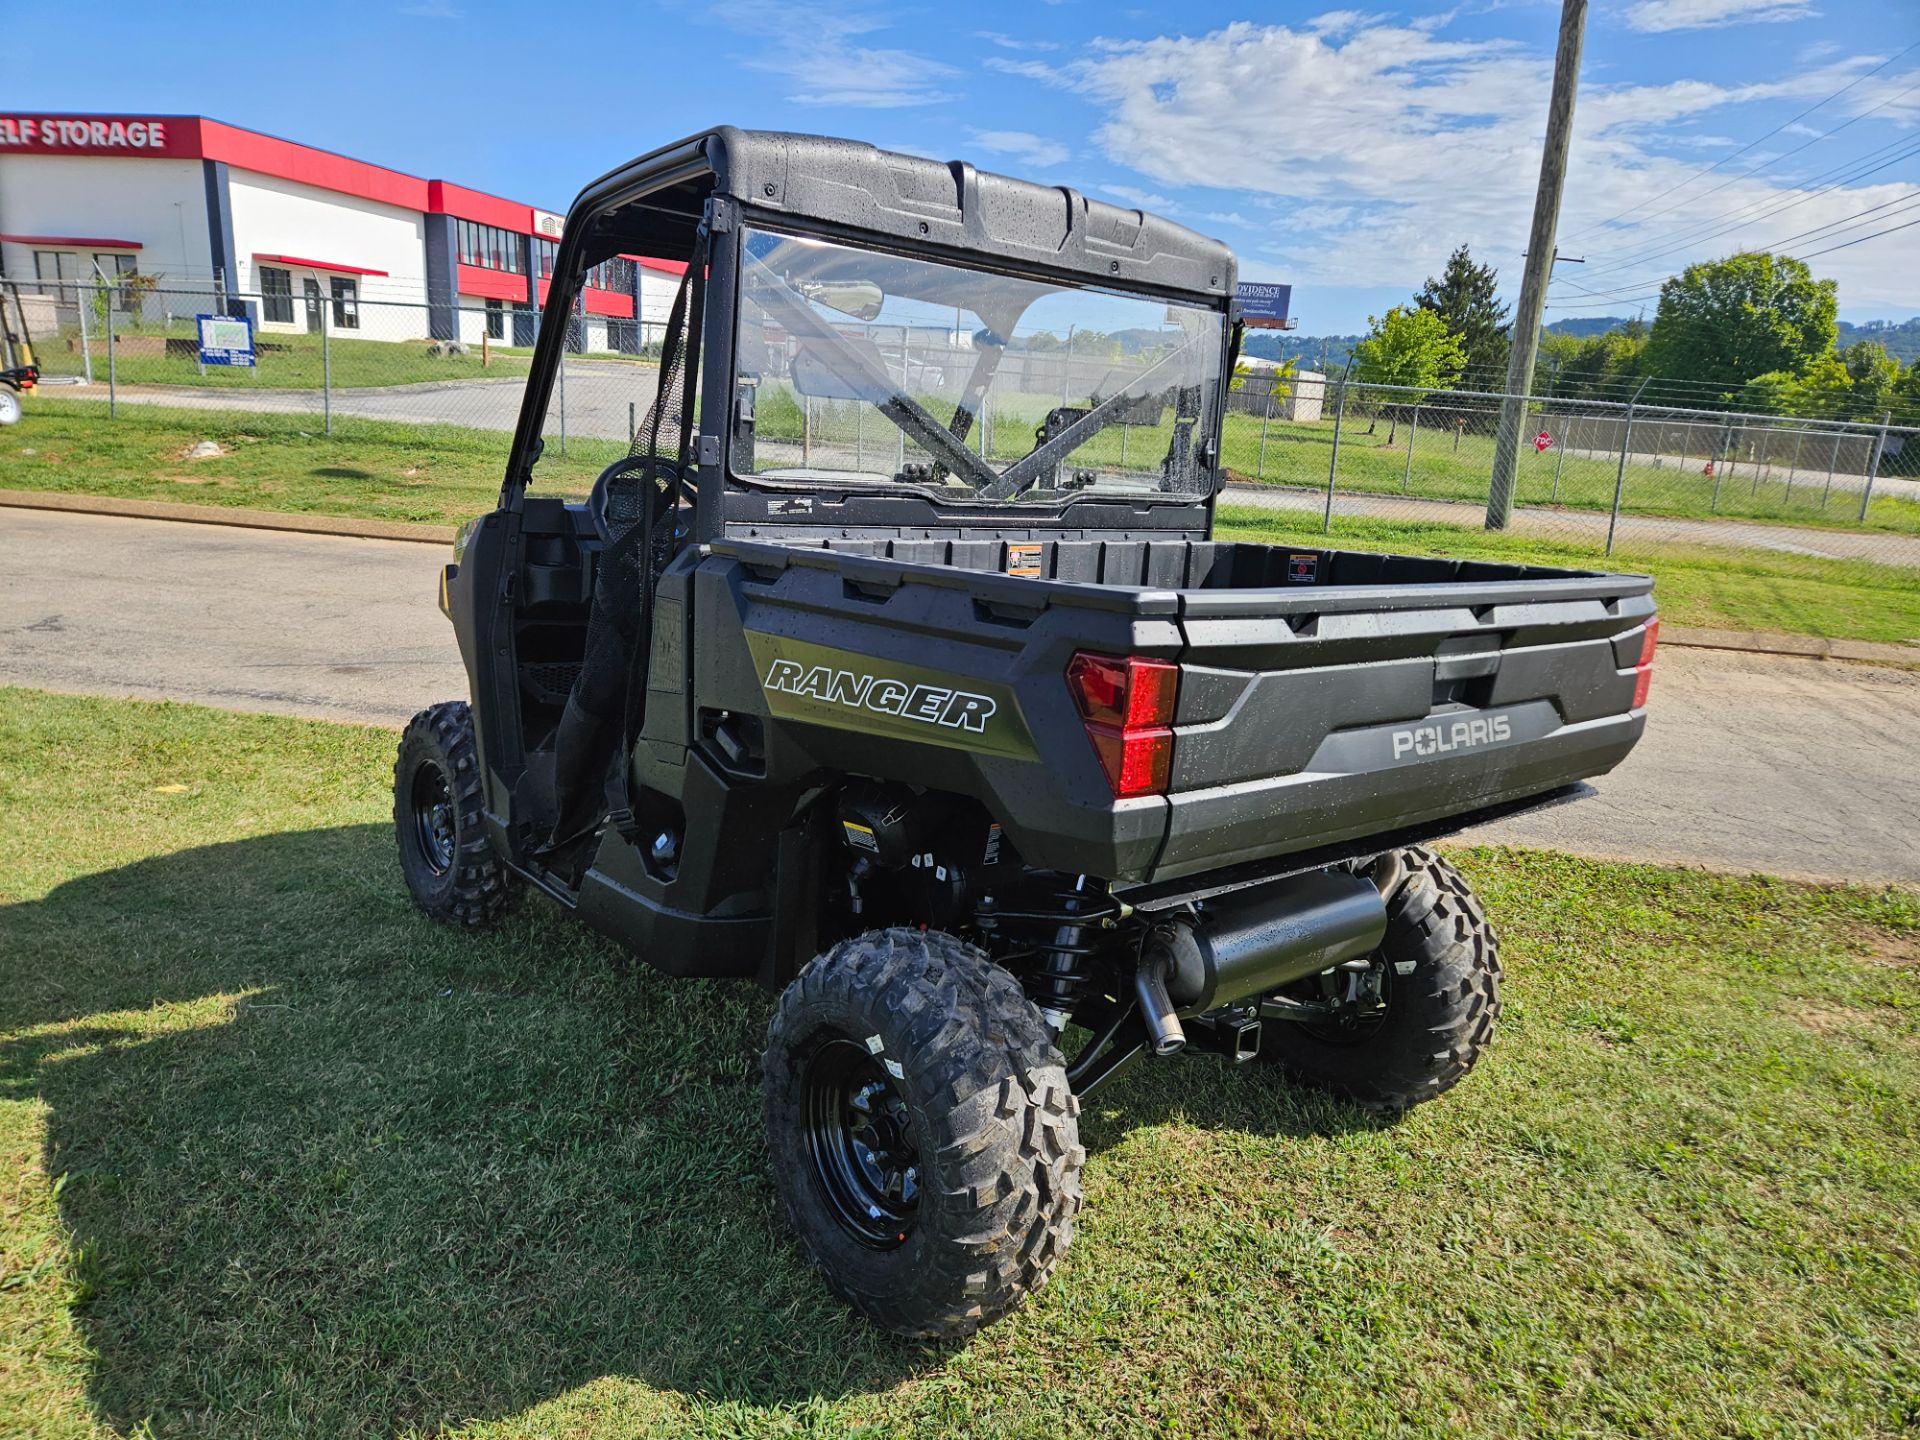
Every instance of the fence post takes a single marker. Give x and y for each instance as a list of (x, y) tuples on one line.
[(326, 367), (1620, 476), (563, 395), (1799, 440), (113, 372), (1413, 433), (859, 436), (1560, 460), (86, 345), (633, 424), (1333, 464), (1833, 463), (1266, 417), (1873, 466), (1724, 468), (806, 432)]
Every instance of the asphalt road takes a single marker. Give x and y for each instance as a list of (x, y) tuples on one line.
[(1793, 767)]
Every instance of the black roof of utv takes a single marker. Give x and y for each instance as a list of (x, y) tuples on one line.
[(950, 205)]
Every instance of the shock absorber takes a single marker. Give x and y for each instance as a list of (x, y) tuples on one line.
[(1061, 976), (1052, 928)]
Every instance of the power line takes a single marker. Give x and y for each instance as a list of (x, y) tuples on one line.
[(1785, 154), (1739, 218), (1862, 239), (1708, 170)]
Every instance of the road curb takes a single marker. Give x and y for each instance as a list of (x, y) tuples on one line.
[(1752, 642), (233, 515)]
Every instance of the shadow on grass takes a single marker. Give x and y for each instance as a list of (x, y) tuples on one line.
[(330, 1169)]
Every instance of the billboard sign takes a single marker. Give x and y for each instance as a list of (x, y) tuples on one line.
[(1264, 307)]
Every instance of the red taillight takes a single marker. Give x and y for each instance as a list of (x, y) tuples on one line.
[(1127, 704), (1643, 672)]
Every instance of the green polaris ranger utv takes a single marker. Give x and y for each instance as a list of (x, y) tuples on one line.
[(896, 668)]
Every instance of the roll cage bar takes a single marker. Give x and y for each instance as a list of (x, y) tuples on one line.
[(726, 178)]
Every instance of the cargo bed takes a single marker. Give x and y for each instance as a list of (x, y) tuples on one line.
[(1324, 696)]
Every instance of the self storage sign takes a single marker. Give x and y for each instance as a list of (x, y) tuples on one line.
[(84, 134)]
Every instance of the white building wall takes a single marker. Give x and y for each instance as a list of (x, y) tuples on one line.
[(283, 217), (160, 203)]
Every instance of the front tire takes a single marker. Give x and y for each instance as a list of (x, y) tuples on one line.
[(1438, 979), (923, 1137), (9, 405), (449, 864)]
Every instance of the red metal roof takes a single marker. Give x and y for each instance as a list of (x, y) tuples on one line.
[(298, 263), (74, 242)]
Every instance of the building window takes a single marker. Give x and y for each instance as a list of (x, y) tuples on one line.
[(276, 295), (346, 303), (496, 320), (615, 275), (488, 246), (544, 252), (114, 269), (58, 266)]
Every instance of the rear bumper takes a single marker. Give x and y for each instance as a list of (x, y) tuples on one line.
[(1252, 820)]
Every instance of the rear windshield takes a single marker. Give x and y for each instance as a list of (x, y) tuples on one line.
[(858, 370)]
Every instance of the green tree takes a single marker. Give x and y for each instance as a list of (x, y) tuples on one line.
[(1407, 347), (1726, 321), (1874, 374), (1463, 297), (1600, 367)]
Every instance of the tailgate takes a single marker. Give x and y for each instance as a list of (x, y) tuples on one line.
[(1316, 715)]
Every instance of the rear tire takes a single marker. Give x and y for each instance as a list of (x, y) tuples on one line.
[(1441, 986), (449, 864), (923, 1137), (9, 405)]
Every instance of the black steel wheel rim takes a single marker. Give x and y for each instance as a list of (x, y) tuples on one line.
[(431, 800), (860, 1138)]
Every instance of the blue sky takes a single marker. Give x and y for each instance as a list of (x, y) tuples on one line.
[(1344, 150)]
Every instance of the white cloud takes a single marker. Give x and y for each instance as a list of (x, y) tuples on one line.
[(1378, 147), (1659, 16), (1030, 70), (1008, 42), (1142, 199), (1023, 145), (820, 50)]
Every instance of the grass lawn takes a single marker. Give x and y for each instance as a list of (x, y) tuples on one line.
[(1446, 467), (1705, 586), (282, 1158), (287, 361), (388, 471), (369, 468)]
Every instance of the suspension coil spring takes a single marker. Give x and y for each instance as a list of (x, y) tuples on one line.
[(1052, 929)]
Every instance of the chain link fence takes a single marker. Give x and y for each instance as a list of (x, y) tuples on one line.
[(332, 353), (1374, 466), (1593, 474)]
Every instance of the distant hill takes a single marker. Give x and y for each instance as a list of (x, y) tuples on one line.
[(1309, 350), (1900, 337), (1585, 327)]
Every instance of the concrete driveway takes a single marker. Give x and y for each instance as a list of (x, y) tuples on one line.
[(1794, 767)]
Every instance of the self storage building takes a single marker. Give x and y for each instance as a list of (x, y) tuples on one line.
[(296, 237)]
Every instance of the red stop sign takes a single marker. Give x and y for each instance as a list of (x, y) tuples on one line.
[(1543, 441)]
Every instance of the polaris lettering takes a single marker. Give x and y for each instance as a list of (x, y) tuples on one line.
[(1424, 740), (929, 704)]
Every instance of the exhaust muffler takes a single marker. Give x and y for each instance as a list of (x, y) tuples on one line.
[(1252, 941)]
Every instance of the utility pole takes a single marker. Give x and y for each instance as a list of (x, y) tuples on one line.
[(1540, 257)]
